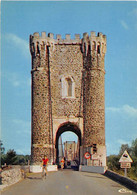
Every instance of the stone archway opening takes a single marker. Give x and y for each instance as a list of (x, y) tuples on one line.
[(74, 148)]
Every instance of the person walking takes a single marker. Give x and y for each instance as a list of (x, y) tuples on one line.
[(45, 161), (62, 163)]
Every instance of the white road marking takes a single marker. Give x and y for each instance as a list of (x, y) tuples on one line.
[(125, 191)]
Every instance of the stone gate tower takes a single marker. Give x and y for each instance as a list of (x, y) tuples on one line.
[(68, 93)]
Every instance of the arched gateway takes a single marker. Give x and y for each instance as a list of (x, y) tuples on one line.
[(68, 126), (68, 94)]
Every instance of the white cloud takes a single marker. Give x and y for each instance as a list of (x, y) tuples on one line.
[(124, 24), (125, 109), (23, 151), (21, 122), (113, 109), (130, 110), (16, 80), (114, 146), (19, 43), (13, 79), (121, 141)]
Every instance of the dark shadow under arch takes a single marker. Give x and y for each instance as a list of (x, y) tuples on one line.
[(67, 126)]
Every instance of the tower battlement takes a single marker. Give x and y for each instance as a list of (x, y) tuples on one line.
[(92, 40), (50, 36)]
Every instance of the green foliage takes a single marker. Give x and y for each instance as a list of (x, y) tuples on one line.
[(2, 149), (11, 158), (3, 159), (134, 147), (123, 148), (113, 160), (134, 166), (23, 159)]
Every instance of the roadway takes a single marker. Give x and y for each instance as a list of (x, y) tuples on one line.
[(67, 182)]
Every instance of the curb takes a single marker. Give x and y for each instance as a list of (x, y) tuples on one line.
[(121, 179)]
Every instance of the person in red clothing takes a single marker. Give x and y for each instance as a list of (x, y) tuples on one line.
[(44, 165), (62, 163)]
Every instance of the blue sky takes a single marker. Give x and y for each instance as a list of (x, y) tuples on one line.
[(117, 20)]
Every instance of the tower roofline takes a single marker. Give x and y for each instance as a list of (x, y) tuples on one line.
[(49, 38)]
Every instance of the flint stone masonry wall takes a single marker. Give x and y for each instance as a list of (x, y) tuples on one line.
[(11, 176), (65, 63), (54, 60)]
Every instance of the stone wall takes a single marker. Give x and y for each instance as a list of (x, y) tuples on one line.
[(66, 62), (11, 176), (41, 113)]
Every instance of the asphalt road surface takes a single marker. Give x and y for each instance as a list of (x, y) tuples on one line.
[(67, 182)]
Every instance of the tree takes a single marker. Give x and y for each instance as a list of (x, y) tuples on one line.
[(123, 148), (23, 159), (2, 149), (113, 162), (134, 147), (11, 158)]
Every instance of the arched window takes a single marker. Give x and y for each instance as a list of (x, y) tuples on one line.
[(103, 47), (93, 45), (98, 48), (68, 87), (38, 50)]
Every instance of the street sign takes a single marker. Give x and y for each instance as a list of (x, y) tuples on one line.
[(95, 156), (125, 161), (87, 155), (125, 158), (125, 165)]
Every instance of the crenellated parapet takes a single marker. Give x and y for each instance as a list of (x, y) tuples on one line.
[(94, 44), (90, 44)]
